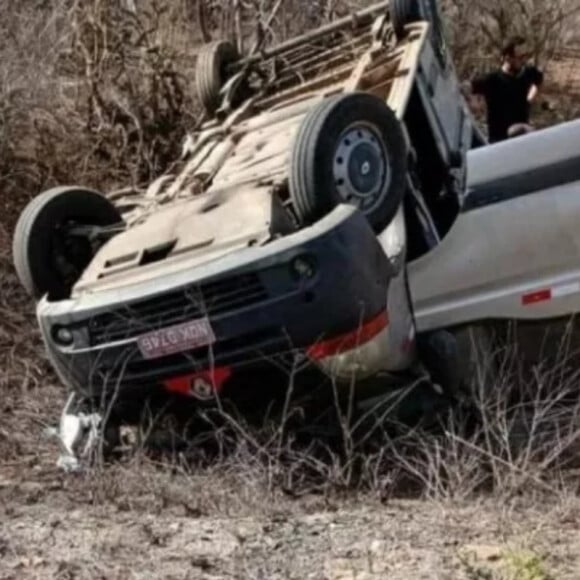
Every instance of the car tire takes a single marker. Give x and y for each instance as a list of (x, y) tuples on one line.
[(210, 74), (460, 361), (40, 247), (349, 149)]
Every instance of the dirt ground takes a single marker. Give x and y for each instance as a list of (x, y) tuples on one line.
[(131, 525)]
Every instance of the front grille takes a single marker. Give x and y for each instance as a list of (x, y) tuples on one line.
[(207, 299)]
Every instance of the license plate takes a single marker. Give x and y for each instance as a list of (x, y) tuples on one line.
[(176, 339)]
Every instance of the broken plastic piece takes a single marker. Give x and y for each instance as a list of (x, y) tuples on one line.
[(72, 429)]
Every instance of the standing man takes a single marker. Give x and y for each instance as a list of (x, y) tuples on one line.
[(509, 92)]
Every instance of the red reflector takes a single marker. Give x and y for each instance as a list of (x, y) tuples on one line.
[(535, 297), (201, 385), (350, 340)]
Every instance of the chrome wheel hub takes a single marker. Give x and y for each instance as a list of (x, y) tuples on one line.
[(361, 168)]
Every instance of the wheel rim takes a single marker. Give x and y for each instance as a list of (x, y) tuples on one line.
[(361, 168)]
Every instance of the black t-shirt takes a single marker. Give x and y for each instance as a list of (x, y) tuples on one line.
[(506, 96)]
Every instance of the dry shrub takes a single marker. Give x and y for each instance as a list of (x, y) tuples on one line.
[(29, 91), (518, 436), (478, 29), (137, 103), (29, 398), (91, 93)]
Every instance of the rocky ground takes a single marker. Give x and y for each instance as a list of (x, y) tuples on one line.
[(142, 523)]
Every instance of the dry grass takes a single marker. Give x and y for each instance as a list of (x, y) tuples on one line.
[(518, 434), (28, 398)]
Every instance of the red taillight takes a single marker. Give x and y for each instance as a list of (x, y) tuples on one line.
[(350, 340)]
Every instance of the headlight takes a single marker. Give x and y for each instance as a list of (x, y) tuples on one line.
[(303, 267), (63, 336)]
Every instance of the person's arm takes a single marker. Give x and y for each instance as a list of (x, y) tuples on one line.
[(533, 93), (536, 81)]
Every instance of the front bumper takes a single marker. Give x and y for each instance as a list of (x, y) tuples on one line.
[(260, 304)]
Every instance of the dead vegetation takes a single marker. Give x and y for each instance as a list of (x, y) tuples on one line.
[(480, 27), (519, 436)]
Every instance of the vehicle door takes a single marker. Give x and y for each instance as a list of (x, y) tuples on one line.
[(514, 250)]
